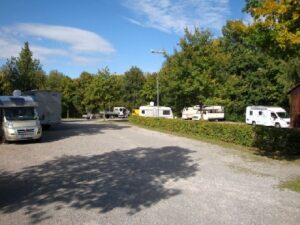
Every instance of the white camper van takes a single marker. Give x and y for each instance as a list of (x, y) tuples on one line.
[(214, 112), (155, 111), (18, 118), (267, 116), (189, 112)]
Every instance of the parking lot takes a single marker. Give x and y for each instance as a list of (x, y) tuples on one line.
[(91, 172)]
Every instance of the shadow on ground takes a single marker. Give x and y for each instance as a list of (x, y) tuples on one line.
[(69, 129), (131, 179)]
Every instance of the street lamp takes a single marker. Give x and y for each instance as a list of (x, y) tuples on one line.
[(162, 52)]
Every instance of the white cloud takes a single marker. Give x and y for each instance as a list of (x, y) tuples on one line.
[(45, 54), (84, 60), (175, 15), (48, 51), (48, 42), (78, 39), (133, 21), (8, 48)]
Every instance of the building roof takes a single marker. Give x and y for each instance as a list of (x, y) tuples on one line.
[(295, 87)]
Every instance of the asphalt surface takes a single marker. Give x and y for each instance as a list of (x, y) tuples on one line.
[(89, 172)]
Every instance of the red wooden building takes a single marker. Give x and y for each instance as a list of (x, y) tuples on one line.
[(295, 106)]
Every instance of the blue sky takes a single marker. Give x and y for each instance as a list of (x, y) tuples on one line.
[(73, 36)]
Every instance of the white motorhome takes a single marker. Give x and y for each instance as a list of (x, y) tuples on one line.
[(49, 106), (155, 111), (189, 112), (18, 118), (214, 112), (267, 116)]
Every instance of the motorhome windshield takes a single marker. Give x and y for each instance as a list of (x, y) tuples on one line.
[(283, 115), (20, 113)]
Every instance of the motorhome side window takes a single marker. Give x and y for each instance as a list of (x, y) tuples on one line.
[(166, 112), (273, 115), (260, 113), (251, 113)]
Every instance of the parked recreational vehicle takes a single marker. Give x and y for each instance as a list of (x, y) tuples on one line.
[(203, 113), (118, 112), (215, 112), (155, 111), (267, 116), (18, 118), (189, 112), (49, 106)]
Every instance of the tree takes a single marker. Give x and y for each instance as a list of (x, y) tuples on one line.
[(57, 81), (30, 75), (9, 76), (279, 21), (68, 91), (148, 92), (187, 77), (24, 72), (5, 85), (54, 80), (253, 72), (99, 93), (81, 84), (133, 83)]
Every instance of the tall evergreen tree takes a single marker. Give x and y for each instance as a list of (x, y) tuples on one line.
[(29, 69), (24, 72)]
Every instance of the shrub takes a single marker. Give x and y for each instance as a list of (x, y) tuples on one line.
[(274, 141), (268, 141)]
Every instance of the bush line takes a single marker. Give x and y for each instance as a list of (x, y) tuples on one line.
[(268, 141)]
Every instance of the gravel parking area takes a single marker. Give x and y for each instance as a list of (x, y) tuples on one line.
[(91, 172)]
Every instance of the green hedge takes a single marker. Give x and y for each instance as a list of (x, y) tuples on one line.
[(267, 140)]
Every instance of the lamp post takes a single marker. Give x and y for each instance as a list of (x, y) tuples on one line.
[(162, 52)]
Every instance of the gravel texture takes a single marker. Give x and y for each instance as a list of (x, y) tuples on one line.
[(91, 172)]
